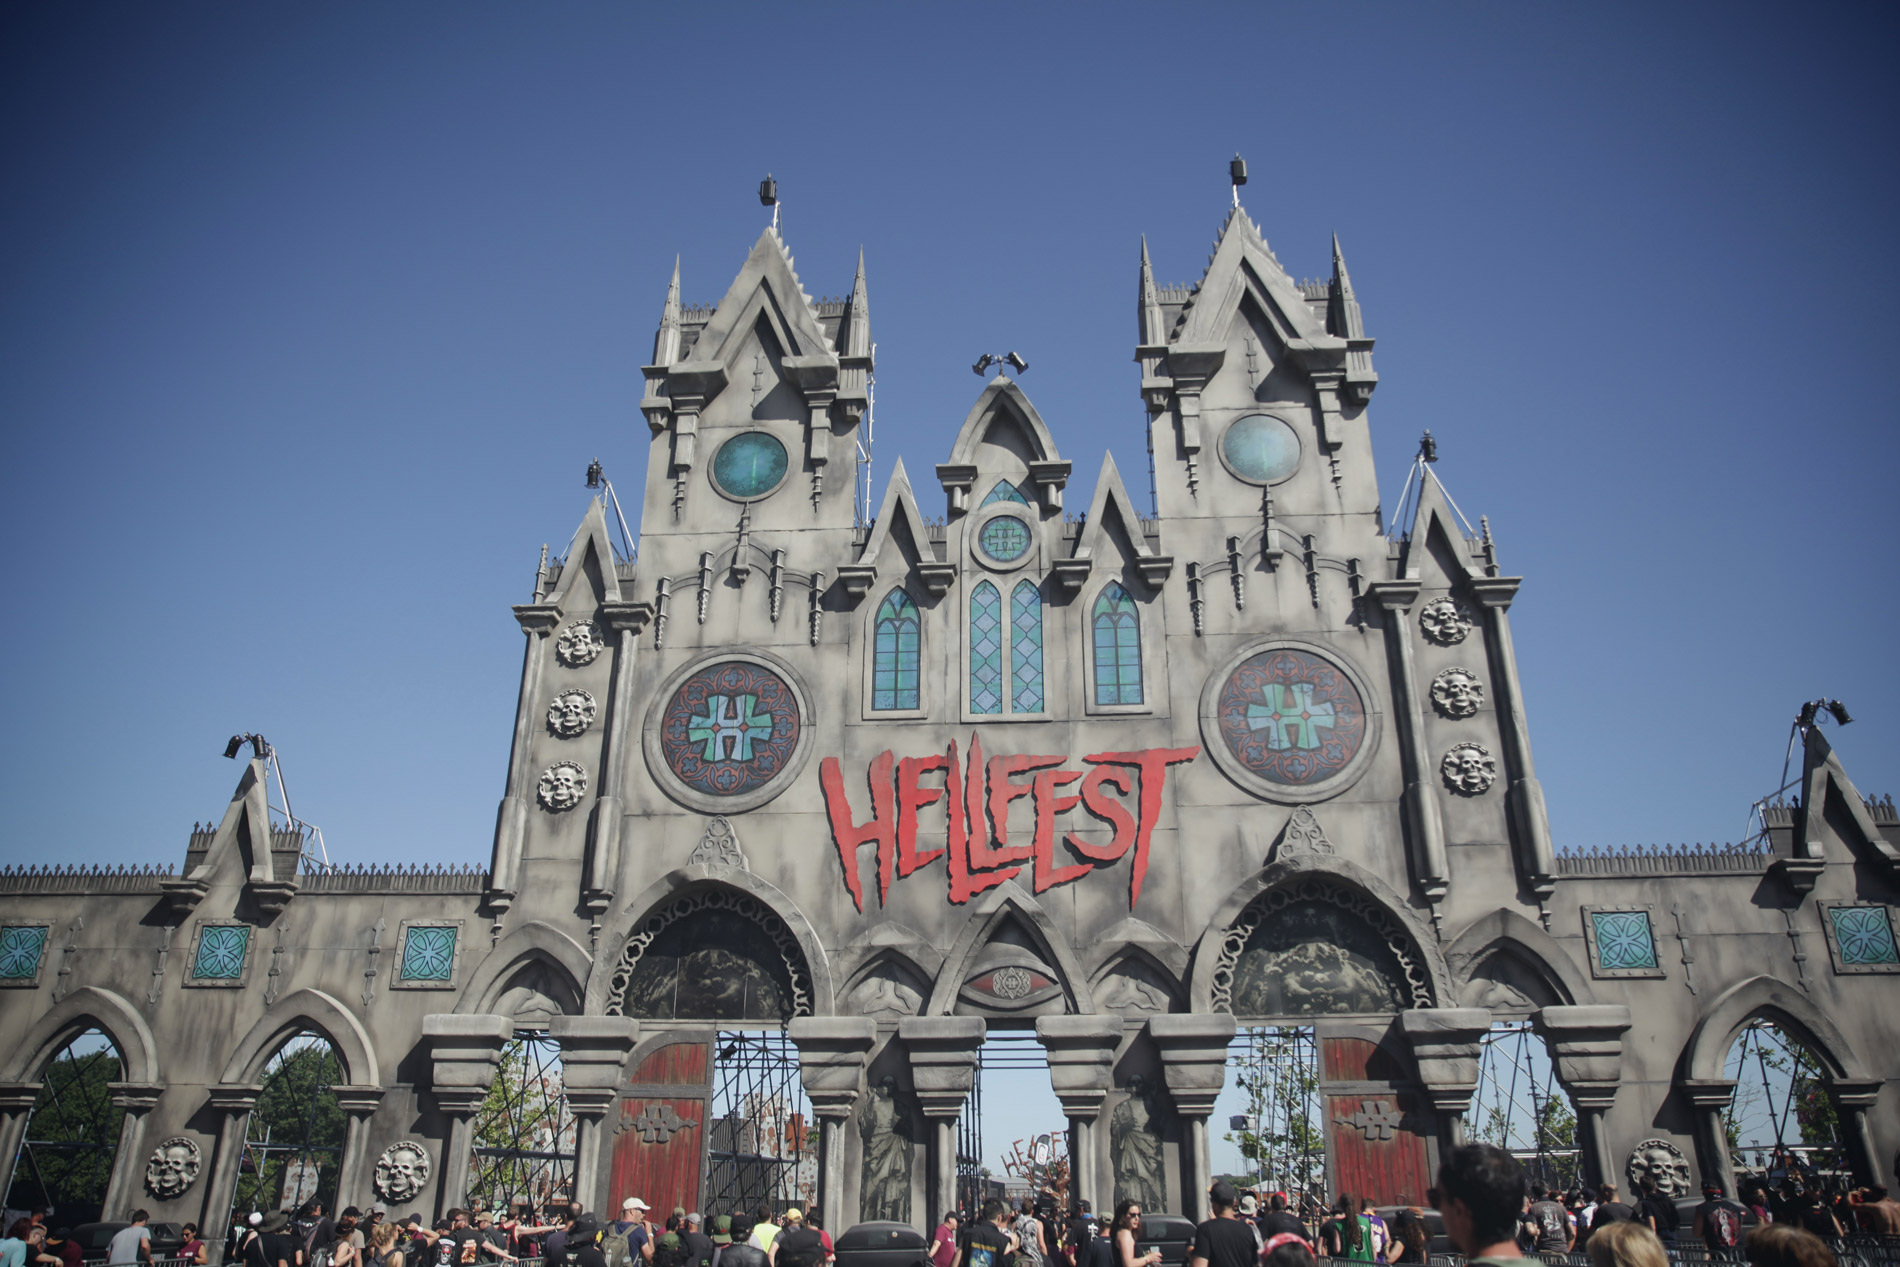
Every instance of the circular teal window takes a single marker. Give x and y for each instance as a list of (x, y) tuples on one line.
[(1260, 449), (749, 465), (1004, 538)]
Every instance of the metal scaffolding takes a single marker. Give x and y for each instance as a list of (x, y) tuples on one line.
[(1283, 1133), (1780, 1118), (293, 1141), (763, 1145), (525, 1137), (72, 1135), (1522, 1108)]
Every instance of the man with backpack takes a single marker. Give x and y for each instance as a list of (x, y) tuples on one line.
[(1718, 1221)]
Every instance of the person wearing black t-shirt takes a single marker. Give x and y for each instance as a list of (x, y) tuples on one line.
[(1222, 1241), (1660, 1213), (990, 1244), (1277, 1220), (583, 1243)]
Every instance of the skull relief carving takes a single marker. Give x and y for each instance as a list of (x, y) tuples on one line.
[(562, 785), (173, 1168), (1468, 769), (578, 644), (1457, 693), (401, 1172), (1444, 622), (1662, 1161), (571, 713)]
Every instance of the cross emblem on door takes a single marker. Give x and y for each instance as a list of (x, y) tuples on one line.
[(1374, 1121), (657, 1123)]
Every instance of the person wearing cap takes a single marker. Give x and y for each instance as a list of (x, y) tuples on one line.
[(583, 1241), (633, 1225), (796, 1245), (492, 1242), (1223, 1240), (280, 1248), (699, 1246)]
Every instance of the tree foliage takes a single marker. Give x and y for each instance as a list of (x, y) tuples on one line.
[(297, 1123), (73, 1132), (1280, 1077)]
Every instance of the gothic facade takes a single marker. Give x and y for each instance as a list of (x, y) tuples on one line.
[(1034, 760)]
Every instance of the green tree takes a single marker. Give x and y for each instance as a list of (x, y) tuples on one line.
[(524, 1113), (73, 1131), (1281, 1080), (297, 1123)]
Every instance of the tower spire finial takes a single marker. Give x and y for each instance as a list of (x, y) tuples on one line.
[(666, 343), (1149, 305)]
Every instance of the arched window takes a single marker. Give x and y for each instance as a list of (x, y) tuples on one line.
[(1117, 633), (293, 1143), (993, 629), (1521, 1107), (72, 1134), (1004, 491), (1025, 647), (1781, 1115), (524, 1132), (895, 650)]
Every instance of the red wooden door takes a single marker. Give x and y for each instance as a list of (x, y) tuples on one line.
[(659, 1138), (1375, 1131)]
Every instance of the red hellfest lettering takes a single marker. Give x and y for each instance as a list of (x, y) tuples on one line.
[(977, 795)]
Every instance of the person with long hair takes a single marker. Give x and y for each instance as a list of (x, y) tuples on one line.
[(1409, 1238), (1127, 1227), (1626, 1243), (1349, 1233), (382, 1242)]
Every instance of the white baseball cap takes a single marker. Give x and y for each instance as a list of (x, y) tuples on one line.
[(634, 1203)]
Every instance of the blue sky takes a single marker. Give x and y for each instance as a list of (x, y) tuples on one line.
[(312, 317)]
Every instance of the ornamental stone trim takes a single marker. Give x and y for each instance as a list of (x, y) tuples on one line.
[(1444, 622), (571, 712), (579, 645), (402, 1171), (1397, 940), (561, 786), (741, 904), (1469, 769), (1457, 693)]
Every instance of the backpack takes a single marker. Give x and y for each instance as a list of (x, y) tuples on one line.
[(1722, 1225), (614, 1245)]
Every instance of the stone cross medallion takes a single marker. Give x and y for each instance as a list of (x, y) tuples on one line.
[(658, 1123), (1374, 1121)]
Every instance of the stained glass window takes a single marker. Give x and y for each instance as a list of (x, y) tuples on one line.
[(749, 465), (1863, 936), (1623, 940), (986, 649), (1117, 627), (1004, 539), (20, 947), (895, 651), (428, 953), (1261, 449), (1025, 647), (1004, 492), (221, 949)]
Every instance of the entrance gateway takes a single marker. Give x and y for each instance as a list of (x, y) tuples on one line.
[(837, 796)]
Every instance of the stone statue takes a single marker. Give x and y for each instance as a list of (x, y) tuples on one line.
[(884, 1125), (173, 1168), (1662, 1161), (401, 1172), (1134, 1140)]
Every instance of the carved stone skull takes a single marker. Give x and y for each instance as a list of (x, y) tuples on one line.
[(1662, 1161), (173, 1168), (562, 785), (571, 713), (1468, 769), (401, 1171), (1444, 622), (1457, 693), (578, 644)]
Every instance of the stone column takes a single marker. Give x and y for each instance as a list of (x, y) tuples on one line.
[(1081, 1051), (235, 1101), (465, 1052), (624, 621), (1709, 1098), (832, 1054), (1424, 828), (1193, 1051), (1530, 820), (943, 1054), (594, 1051), (360, 1104), (537, 621), (16, 1106), (128, 1163), (1447, 1043), (1586, 1045), (1855, 1098)]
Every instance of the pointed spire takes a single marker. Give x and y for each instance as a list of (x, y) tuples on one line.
[(854, 348), (855, 337), (1150, 304), (666, 344), (1343, 308)]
